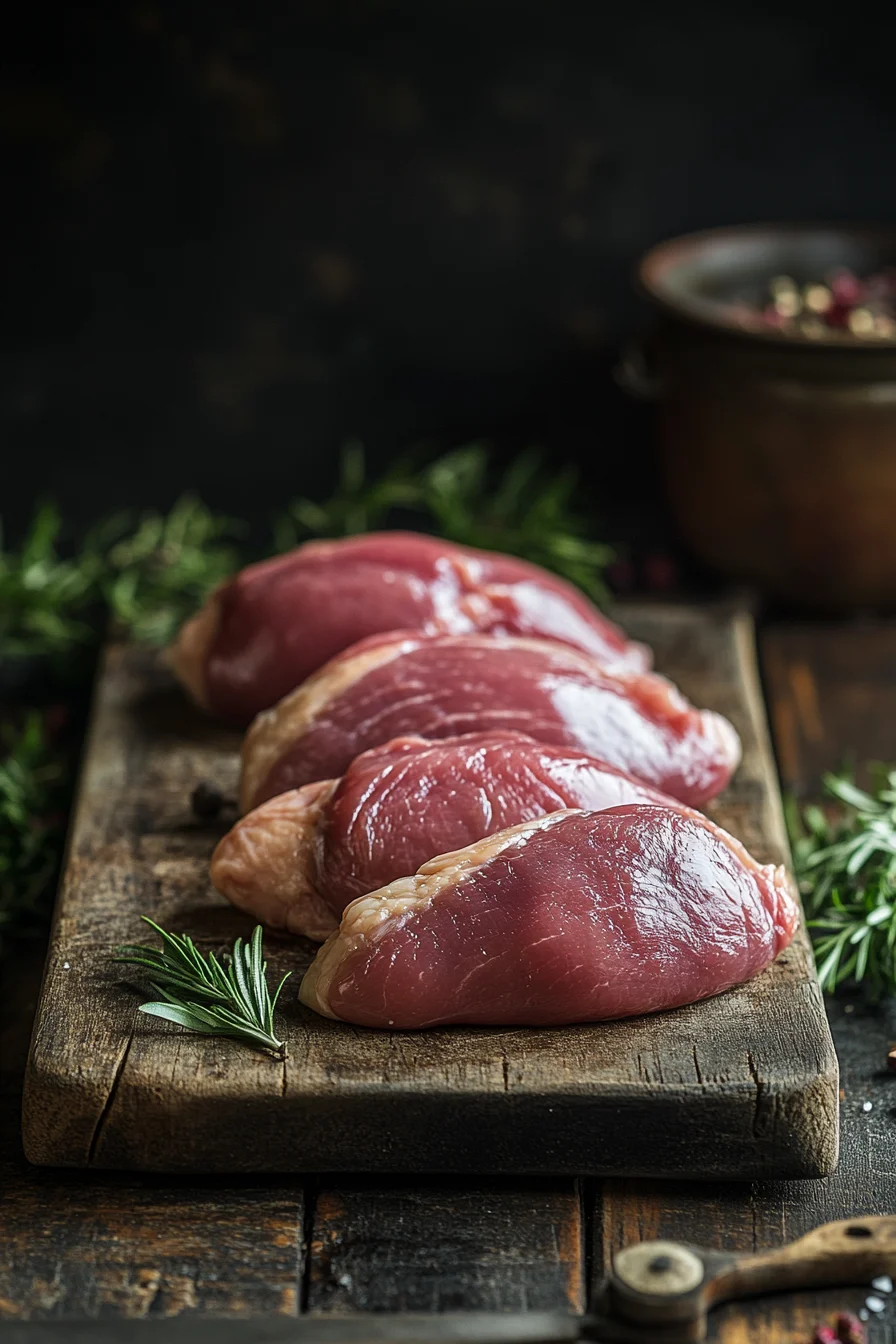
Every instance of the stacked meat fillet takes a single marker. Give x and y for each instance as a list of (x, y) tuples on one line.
[(468, 782)]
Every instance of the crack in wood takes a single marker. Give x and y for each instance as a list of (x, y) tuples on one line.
[(109, 1102), (697, 1070), (306, 1246), (760, 1092)]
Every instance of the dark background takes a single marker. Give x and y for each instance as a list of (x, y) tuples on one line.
[(238, 234)]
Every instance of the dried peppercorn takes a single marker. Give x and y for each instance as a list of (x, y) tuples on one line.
[(843, 302)]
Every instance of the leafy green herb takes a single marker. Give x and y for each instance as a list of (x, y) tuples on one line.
[(44, 600), (845, 861), (528, 511), (356, 505), (229, 997), (159, 568), (34, 783)]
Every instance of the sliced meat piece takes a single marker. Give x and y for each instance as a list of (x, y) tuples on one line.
[(447, 685), (296, 861), (270, 627), (576, 917)]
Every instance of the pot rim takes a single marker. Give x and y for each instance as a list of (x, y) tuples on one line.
[(661, 260)]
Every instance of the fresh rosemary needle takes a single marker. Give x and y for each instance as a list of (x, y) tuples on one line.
[(846, 867), (226, 997)]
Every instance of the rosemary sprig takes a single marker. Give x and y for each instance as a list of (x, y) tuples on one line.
[(45, 601), (528, 510), (229, 997), (845, 861), (356, 505), (157, 569), (34, 784)]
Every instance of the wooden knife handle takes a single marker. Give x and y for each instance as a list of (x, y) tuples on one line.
[(852, 1251)]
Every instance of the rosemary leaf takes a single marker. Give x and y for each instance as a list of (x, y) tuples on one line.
[(201, 994), (845, 860)]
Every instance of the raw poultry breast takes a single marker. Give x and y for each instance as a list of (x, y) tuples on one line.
[(575, 917), (444, 686), (275, 623), (296, 861)]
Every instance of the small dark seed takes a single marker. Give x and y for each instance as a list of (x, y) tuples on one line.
[(660, 1264), (206, 801)]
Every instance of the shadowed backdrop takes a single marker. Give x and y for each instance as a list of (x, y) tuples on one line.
[(240, 234)]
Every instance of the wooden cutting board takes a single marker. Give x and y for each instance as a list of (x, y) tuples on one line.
[(744, 1085)]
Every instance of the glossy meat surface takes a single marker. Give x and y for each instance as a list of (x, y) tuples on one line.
[(577, 917), (453, 684), (296, 861), (277, 622)]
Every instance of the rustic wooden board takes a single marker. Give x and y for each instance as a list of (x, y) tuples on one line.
[(743, 1085)]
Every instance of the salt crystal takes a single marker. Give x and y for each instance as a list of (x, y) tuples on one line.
[(867, 1105), (876, 1304), (863, 1314), (884, 1284), (66, 966)]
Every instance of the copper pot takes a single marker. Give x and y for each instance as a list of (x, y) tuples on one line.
[(778, 452)]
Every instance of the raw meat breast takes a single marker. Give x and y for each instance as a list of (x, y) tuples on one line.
[(447, 685), (576, 917), (298, 859), (275, 623)]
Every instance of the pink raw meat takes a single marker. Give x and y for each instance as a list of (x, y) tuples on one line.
[(576, 917), (296, 861), (275, 623), (446, 685)]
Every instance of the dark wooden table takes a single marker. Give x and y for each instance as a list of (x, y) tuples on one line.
[(73, 1245)]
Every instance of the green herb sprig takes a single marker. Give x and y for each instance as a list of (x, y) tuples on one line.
[(845, 862), (34, 786), (229, 997), (46, 601), (157, 569), (527, 510)]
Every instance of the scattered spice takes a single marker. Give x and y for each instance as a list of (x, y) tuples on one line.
[(843, 303), (206, 801), (824, 1334), (848, 1329)]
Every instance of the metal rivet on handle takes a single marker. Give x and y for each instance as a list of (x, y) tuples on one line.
[(659, 1268)]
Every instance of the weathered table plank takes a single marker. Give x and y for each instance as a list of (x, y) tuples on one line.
[(486, 1245), (744, 1084)]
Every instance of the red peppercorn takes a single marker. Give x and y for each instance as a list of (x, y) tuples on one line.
[(849, 1328), (823, 1334)]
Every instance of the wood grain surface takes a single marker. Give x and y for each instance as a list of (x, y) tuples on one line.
[(376, 1244), (742, 1085)]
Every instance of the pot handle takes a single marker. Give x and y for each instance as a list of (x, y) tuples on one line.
[(634, 375)]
